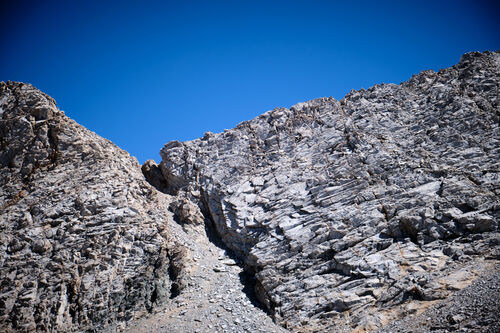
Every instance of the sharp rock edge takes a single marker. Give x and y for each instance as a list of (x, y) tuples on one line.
[(358, 212), (85, 241), (373, 212)]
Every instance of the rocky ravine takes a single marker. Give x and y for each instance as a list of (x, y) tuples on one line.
[(360, 211), (87, 244), (216, 296), (345, 216)]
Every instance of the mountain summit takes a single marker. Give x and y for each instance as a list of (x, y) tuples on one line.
[(357, 212), (376, 212)]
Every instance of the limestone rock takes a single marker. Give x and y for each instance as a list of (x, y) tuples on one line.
[(84, 239), (353, 213)]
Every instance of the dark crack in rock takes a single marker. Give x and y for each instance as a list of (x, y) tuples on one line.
[(84, 238), (379, 211), (355, 213)]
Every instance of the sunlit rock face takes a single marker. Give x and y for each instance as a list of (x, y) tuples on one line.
[(381, 208), (356, 212), (84, 238)]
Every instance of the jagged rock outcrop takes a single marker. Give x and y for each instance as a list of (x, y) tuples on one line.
[(84, 238), (379, 211), (357, 212)]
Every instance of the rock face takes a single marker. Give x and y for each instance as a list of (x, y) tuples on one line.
[(376, 212), (84, 238), (357, 212)]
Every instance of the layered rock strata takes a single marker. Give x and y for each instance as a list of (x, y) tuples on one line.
[(84, 238), (354, 213), (351, 215)]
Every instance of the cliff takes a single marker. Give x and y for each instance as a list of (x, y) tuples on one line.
[(356, 212), (376, 212), (84, 238)]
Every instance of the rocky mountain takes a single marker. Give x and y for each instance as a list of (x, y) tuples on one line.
[(357, 212), (84, 238), (376, 212)]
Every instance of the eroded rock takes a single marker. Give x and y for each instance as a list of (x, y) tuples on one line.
[(353, 213), (84, 239)]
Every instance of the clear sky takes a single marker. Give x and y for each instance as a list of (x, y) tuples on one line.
[(142, 73)]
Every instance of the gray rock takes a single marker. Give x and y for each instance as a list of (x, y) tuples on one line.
[(359, 214), (352, 213), (85, 240)]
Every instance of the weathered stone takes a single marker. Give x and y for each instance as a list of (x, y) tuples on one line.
[(362, 206), (347, 215), (186, 212), (84, 238)]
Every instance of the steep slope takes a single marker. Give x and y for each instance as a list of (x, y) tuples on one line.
[(84, 238), (88, 245), (216, 297), (351, 215), (357, 212)]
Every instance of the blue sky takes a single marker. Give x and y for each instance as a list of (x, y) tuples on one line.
[(142, 73)]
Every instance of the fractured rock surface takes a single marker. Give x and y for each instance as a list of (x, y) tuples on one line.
[(472, 309), (376, 212), (87, 245), (84, 238), (215, 298), (357, 212)]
